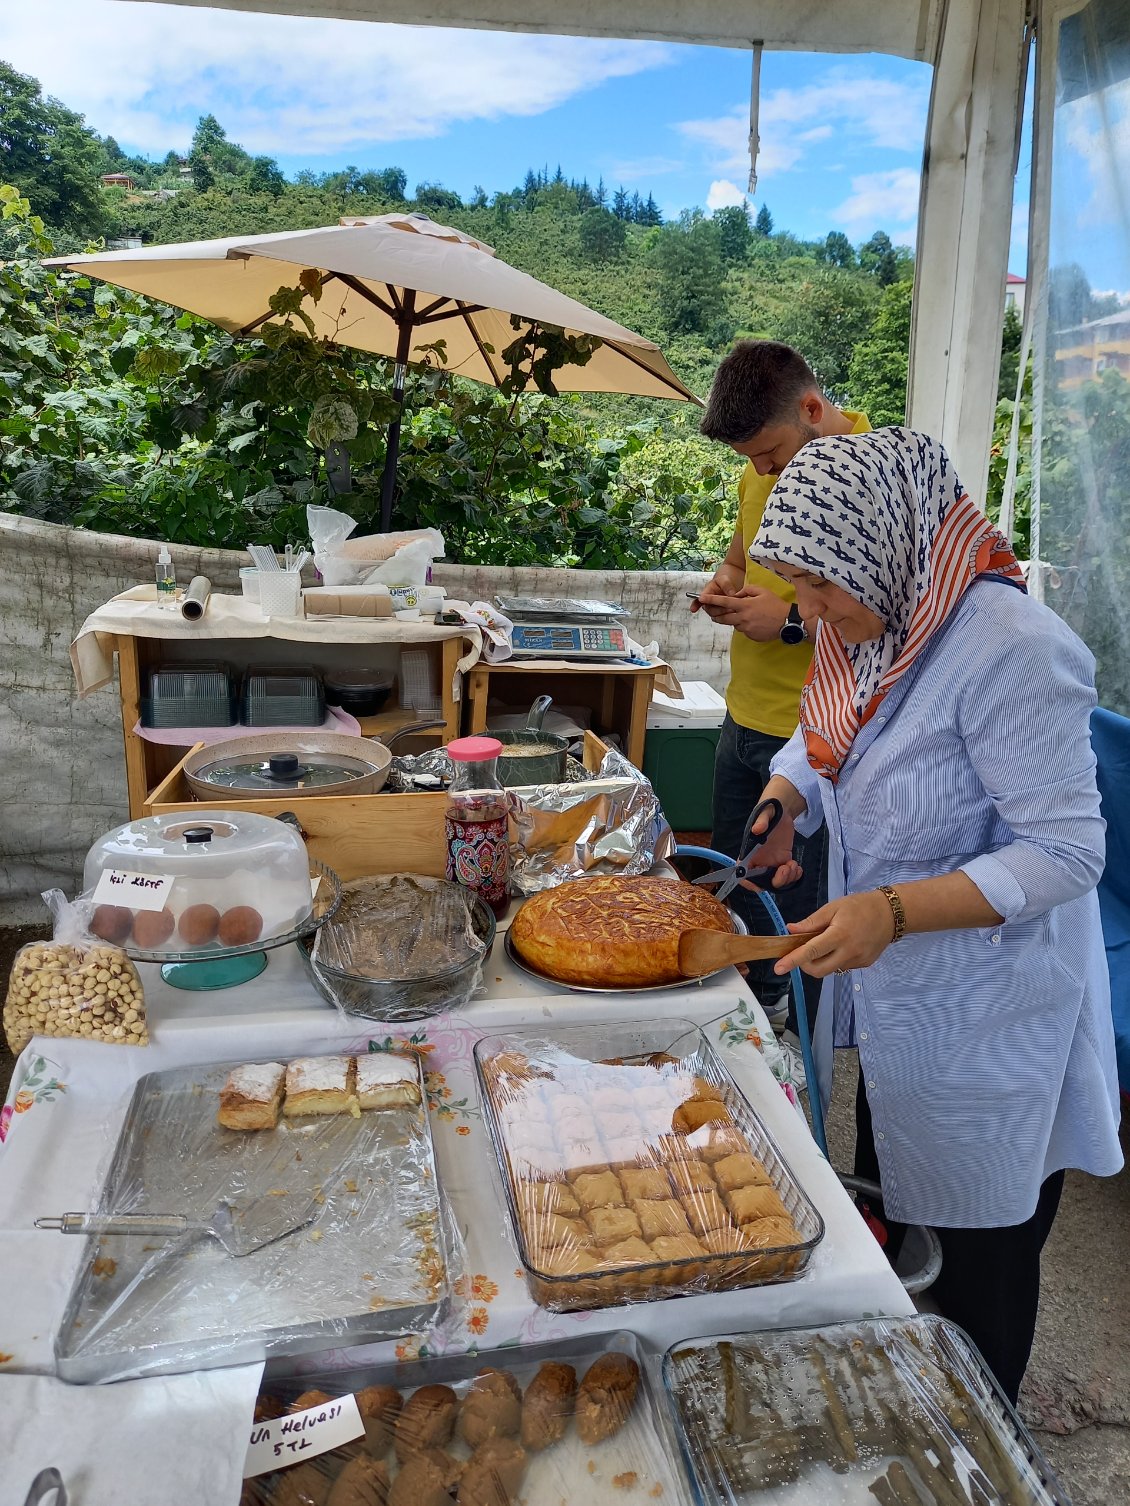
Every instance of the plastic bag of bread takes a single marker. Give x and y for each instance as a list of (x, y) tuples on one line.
[(73, 985)]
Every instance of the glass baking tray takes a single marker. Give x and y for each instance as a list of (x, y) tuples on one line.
[(851, 1415), (369, 1267), (575, 1061), (639, 1463)]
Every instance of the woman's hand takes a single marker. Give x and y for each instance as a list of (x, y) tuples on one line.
[(845, 934), (777, 852)]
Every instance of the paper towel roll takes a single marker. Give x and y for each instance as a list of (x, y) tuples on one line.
[(196, 598)]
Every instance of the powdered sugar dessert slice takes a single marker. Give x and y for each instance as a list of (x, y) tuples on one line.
[(385, 1081), (252, 1096), (320, 1085)]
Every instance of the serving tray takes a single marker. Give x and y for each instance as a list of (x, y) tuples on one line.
[(370, 1267)]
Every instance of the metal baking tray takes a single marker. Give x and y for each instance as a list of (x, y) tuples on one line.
[(639, 1463), (740, 929), (774, 1419), (370, 1267), (579, 1053)]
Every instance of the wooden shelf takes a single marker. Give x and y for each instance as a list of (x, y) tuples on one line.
[(391, 720)]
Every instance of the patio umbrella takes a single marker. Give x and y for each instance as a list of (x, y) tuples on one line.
[(385, 279)]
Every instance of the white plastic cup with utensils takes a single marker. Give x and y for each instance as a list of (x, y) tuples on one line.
[(280, 593)]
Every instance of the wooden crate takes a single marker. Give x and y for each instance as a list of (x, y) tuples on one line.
[(352, 834)]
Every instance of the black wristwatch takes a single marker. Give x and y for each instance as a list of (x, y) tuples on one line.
[(793, 629)]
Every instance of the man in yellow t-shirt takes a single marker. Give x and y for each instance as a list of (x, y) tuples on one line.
[(766, 404)]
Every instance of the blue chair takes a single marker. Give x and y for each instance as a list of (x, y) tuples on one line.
[(1110, 738)]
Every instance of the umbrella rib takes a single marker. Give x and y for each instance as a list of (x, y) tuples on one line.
[(466, 310), (472, 308), (365, 292), (676, 385), (430, 308)]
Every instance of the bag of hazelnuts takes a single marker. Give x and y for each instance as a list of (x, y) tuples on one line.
[(73, 985)]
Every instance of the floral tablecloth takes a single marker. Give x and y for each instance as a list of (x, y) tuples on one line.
[(69, 1098)]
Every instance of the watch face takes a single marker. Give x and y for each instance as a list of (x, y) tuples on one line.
[(792, 632)]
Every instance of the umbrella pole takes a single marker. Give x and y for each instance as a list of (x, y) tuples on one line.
[(406, 323)]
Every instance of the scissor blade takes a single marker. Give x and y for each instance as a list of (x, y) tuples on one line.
[(717, 877)]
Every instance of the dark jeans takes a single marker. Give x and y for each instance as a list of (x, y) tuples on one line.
[(741, 772), (990, 1279)]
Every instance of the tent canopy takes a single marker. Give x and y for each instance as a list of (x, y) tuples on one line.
[(903, 28)]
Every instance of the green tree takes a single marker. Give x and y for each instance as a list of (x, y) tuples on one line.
[(1011, 337), (266, 176), (734, 233), (837, 250), (826, 318), (689, 262), (435, 196), (50, 156), (764, 221), (877, 374), (879, 258), (602, 235)]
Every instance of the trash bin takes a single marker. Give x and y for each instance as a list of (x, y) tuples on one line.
[(679, 749)]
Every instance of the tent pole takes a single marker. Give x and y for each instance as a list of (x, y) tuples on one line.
[(405, 323)]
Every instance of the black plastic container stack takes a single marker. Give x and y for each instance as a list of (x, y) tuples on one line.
[(189, 695), (361, 692), (282, 698)]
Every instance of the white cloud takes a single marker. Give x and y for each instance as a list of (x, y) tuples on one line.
[(879, 200), (294, 85), (1018, 238), (643, 167), (859, 109), (723, 193)]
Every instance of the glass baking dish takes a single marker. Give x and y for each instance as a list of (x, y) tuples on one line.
[(589, 1123), (874, 1411), (637, 1461)]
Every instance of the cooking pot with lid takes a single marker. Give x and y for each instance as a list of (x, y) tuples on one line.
[(292, 764)]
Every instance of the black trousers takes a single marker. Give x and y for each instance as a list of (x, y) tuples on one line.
[(741, 772), (990, 1280)]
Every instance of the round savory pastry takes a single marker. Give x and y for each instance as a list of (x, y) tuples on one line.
[(613, 932)]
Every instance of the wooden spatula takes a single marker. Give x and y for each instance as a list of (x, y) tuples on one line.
[(706, 951)]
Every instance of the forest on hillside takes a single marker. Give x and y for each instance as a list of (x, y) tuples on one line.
[(121, 414)]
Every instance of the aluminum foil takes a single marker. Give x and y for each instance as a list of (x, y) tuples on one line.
[(611, 824)]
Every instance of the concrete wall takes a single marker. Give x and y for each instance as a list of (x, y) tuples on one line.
[(61, 766)]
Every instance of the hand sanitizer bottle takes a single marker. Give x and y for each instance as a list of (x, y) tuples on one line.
[(166, 573)]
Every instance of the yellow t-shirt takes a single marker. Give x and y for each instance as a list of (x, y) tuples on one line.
[(766, 678)]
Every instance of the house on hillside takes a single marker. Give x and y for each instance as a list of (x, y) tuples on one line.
[(1087, 350), (118, 180), (1014, 289)]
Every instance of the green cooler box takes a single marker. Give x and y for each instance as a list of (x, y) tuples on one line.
[(682, 737)]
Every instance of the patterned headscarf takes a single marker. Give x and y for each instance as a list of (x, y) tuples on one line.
[(883, 516)]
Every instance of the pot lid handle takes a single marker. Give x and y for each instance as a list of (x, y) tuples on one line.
[(199, 834)]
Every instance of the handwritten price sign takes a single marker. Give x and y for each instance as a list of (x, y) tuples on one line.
[(302, 1435), (136, 891)]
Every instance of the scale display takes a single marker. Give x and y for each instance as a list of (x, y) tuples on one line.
[(570, 640)]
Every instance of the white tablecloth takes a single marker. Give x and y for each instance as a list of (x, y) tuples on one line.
[(69, 1097)]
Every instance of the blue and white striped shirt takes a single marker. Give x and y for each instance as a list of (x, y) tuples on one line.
[(988, 1054)]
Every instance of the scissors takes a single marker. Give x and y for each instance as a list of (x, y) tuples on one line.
[(731, 876)]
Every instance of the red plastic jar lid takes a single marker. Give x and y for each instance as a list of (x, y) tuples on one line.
[(474, 749)]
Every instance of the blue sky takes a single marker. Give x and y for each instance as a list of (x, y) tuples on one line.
[(841, 138)]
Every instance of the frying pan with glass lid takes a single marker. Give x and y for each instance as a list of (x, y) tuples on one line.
[(293, 764)]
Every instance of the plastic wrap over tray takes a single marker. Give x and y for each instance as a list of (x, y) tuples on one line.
[(374, 1263), (633, 1169), (574, 1420), (611, 824), (402, 947), (884, 1412)]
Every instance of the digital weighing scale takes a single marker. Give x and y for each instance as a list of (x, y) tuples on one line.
[(563, 628)]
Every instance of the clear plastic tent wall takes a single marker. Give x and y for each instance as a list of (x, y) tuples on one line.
[(1080, 543)]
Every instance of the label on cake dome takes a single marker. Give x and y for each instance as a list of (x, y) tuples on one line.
[(135, 891)]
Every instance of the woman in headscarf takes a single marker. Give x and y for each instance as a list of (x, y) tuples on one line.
[(944, 737)]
